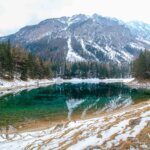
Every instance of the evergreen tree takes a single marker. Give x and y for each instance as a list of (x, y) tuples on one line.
[(141, 66), (15, 62)]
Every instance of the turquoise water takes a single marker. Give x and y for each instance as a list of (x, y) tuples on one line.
[(66, 101)]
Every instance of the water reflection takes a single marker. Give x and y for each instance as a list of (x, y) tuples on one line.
[(66, 101), (72, 104)]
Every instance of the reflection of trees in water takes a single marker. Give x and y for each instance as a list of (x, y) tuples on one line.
[(96, 97), (140, 94), (79, 91), (52, 101)]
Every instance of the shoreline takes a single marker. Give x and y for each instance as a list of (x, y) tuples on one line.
[(136, 84), (14, 86), (122, 127), (132, 122), (40, 124)]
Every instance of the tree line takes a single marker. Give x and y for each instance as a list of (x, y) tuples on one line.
[(89, 70), (141, 66), (16, 63)]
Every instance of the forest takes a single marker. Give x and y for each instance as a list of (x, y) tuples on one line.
[(16, 63), (89, 70)]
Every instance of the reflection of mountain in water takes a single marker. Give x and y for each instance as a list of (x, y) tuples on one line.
[(72, 104), (65, 101), (97, 105)]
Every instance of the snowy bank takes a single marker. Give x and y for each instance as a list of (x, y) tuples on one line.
[(122, 129), (93, 80), (18, 85), (135, 84)]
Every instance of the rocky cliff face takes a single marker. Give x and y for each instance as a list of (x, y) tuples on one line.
[(84, 38)]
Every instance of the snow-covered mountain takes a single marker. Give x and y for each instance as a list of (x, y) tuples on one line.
[(140, 30), (84, 38)]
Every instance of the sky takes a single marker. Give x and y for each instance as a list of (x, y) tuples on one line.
[(15, 14)]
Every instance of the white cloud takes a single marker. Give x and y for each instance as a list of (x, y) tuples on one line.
[(15, 14)]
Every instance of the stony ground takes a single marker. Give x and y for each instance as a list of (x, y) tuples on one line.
[(120, 130)]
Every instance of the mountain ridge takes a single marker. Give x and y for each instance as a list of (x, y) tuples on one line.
[(84, 38)]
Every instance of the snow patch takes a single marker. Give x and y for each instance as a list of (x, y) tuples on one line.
[(18, 85), (112, 54), (144, 41), (99, 48), (91, 141), (127, 56), (136, 46), (93, 80), (86, 51), (71, 55)]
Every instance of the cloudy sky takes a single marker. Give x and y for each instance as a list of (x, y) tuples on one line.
[(15, 14)]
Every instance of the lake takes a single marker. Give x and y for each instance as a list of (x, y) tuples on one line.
[(67, 101)]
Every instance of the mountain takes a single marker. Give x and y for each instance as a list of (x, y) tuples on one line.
[(140, 30), (84, 38)]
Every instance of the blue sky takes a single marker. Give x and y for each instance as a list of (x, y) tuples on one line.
[(15, 14)]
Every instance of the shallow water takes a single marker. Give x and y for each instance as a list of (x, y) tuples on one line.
[(66, 102)]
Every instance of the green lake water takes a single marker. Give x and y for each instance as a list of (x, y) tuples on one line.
[(66, 101)]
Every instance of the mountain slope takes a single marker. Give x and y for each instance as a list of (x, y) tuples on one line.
[(83, 38)]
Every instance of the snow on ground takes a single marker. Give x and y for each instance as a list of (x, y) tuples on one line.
[(137, 85), (72, 56), (29, 82), (127, 56), (137, 46), (18, 85), (144, 41), (86, 51), (99, 48), (112, 54), (122, 129), (93, 80)]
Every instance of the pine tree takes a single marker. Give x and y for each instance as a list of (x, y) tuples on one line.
[(8, 62), (141, 66), (15, 62)]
